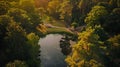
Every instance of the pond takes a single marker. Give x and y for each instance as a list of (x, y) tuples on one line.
[(51, 55)]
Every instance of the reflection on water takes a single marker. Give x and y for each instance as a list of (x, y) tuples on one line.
[(65, 45), (51, 55)]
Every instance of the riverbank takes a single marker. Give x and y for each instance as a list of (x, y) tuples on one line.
[(51, 29)]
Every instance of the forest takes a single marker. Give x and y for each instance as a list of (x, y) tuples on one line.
[(94, 26)]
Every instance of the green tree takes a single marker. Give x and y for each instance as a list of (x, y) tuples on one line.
[(4, 20), (26, 14), (33, 14), (4, 6), (112, 24), (114, 50), (17, 63), (106, 5), (53, 8), (27, 5), (83, 4), (15, 44), (21, 46), (96, 16), (113, 3), (34, 50), (66, 12), (20, 16)]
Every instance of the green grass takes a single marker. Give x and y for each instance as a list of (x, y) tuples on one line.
[(49, 20), (60, 26), (58, 31), (58, 23)]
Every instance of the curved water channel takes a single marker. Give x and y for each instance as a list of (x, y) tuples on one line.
[(51, 55)]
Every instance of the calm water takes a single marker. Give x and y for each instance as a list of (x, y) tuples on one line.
[(51, 55)]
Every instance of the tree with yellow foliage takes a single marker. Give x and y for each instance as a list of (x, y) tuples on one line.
[(88, 51)]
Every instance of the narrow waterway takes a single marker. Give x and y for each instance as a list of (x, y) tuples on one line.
[(51, 55)]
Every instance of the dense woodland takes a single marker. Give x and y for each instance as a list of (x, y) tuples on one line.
[(18, 34), (96, 23)]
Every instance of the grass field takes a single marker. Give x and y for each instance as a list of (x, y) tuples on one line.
[(59, 31)]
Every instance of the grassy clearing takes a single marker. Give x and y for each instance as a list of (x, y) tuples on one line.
[(59, 31), (58, 23), (49, 20), (58, 26)]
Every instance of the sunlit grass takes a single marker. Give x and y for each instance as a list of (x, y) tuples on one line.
[(49, 20), (58, 23), (58, 30)]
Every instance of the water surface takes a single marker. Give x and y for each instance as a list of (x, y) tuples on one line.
[(51, 55)]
